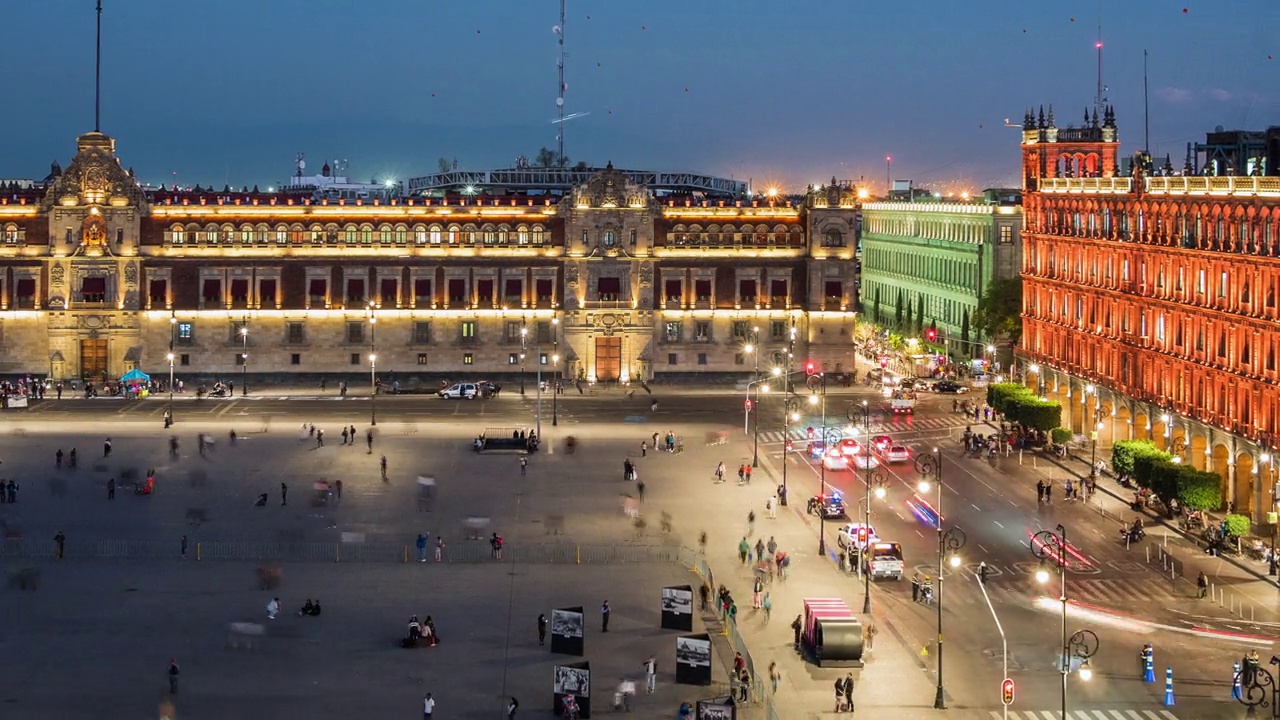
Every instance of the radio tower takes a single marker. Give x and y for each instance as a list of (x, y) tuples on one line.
[(559, 30), (1100, 100)]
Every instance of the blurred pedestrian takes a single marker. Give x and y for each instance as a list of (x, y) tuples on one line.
[(273, 607), (650, 675), (439, 548), (57, 459), (542, 628), (368, 439), (61, 541), (604, 617), (106, 448), (421, 544), (1202, 584), (284, 494), (173, 676), (111, 489), (644, 448), (640, 490), (524, 466), (184, 547), (344, 436)]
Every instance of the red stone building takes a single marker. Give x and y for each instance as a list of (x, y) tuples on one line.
[(1150, 303)]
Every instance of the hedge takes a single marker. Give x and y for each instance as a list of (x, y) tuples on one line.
[(1061, 435), (1124, 452), (1018, 404), (1194, 489), (1238, 525)]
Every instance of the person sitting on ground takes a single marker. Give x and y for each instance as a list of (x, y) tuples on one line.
[(429, 631), (262, 501), (307, 608), (315, 609), (415, 628)]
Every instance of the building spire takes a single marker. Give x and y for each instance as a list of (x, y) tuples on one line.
[(97, 75)]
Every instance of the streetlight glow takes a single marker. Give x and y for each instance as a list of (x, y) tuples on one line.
[(955, 561), (1042, 575), (923, 486), (879, 493), (813, 399), (777, 371), (748, 348)]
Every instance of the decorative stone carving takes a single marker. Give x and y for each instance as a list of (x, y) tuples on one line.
[(571, 275), (646, 274), (92, 322), (610, 189), (57, 275), (131, 274), (57, 302), (95, 175)]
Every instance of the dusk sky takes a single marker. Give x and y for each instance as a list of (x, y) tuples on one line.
[(783, 93)]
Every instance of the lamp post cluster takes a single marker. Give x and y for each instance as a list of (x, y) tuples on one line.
[(373, 364), (555, 376), (874, 484), (173, 336), (817, 385), (244, 357), (1051, 548), (950, 541)]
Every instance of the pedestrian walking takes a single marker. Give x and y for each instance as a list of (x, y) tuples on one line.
[(319, 437), (524, 466), (284, 494), (840, 704), (644, 448), (744, 549), (742, 474), (1039, 491), (774, 676), (869, 636), (604, 617), (751, 522), (512, 706), (771, 506), (338, 484), (759, 547), (654, 441), (111, 489), (428, 702), (13, 492), (368, 439), (1048, 492), (273, 607), (72, 458), (61, 541), (757, 594), (184, 547), (57, 459), (982, 572), (106, 448), (542, 628), (640, 490), (915, 587), (439, 548), (720, 473), (344, 436), (704, 595), (767, 604), (796, 627), (1202, 584), (383, 464), (848, 691), (173, 676), (747, 469), (421, 544), (650, 675)]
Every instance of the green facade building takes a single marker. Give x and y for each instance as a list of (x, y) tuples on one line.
[(927, 264)]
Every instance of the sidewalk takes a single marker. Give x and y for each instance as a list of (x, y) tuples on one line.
[(1238, 585)]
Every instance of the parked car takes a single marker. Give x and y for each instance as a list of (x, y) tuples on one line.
[(460, 391), (884, 561), (830, 507), (847, 535)]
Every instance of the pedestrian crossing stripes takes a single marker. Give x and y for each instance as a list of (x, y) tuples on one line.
[(897, 425), (1087, 715), (1125, 595)]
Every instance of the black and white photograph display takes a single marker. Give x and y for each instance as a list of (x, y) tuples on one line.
[(677, 608), (566, 631), (693, 659), (573, 679), (716, 710)]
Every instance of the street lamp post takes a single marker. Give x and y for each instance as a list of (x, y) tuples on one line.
[(524, 336), (1269, 460), (818, 383), (170, 356), (1051, 546), (244, 357), (949, 542), (1093, 453), (555, 375), (866, 516), (754, 349), (173, 338), (373, 364), (788, 406)]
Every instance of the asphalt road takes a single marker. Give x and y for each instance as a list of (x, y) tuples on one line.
[(994, 503)]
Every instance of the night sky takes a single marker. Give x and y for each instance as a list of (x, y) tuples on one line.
[(783, 93)]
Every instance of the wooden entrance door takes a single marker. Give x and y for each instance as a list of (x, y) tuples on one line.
[(608, 359), (93, 358)]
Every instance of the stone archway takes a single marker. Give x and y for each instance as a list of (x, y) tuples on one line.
[(1141, 431), (1246, 483), (1105, 417), (1197, 448), (1219, 464), (1122, 425), (1158, 434)]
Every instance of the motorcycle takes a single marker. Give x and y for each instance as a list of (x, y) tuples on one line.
[(1132, 535)]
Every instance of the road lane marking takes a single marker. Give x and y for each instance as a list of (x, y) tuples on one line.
[(997, 522), (975, 507)]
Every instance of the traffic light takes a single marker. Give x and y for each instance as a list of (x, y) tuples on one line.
[(747, 404), (862, 536), (1006, 691), (809, 432), (931, 334), (810, 368)]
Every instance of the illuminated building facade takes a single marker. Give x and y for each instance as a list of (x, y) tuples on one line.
[(940, 256), (1150, 304), (607, 282)]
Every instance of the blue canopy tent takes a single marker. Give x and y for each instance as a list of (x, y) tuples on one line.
[(135, 376)]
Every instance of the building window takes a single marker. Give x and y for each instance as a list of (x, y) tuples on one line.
[(1222, 285), (747, 291), (186, 333), (513, 359), (671, 358), (778, 330), (239, 360), (355, 332), (609, 288), (184, 359), (739, 359), (609, 239), (467, 330), (702, 290), (702, 331), (295, 359), (1200, 282), (295, 333), (542, 331), (421, 333), (422, 358), (741, 329), (702, 358), (1006, 233), (468, 359), (211, 291), (513, 330), (671, 332), (355, 358), (542, 358)]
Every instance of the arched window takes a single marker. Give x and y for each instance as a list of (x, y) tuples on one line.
[(281, 234), (177, 235), (420, 234), (385, 235), (366, 234), (833, 238), (489, 234), (455, 234), (679, 235), (522, 234), (435, 234), (538, 235), (469, 234), (296, 235), (315, 234), (504, 234), (401, 234)]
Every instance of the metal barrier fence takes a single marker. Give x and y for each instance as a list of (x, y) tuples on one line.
[(384, 552), (758, 694)]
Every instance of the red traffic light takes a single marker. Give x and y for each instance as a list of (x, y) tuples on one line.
[(862, 535), (931, 334), (809, 432), (810, 368), (747, 404), (1006, 691)]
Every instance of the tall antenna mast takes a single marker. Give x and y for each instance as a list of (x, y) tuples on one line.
[(1146, 109), (97, 75), (559, 30)]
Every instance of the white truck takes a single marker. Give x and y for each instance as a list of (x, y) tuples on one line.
[(902, 402)]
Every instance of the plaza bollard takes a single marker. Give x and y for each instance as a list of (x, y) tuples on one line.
[(1168, 686), (1148, 661), (1235, 681)]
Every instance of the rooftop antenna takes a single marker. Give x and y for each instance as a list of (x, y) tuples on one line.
[(97, 75), (559, 31), (1100, 100), (1146, 109)]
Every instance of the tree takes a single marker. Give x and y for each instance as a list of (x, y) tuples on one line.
[(547, 158), (907, 323), (999, 313), (919, 313), (876, 315), (444, 165), (897, 311), (964, 329)]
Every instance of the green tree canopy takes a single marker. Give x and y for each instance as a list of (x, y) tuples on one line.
[(999, 313)]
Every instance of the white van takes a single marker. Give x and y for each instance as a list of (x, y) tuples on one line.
[(458, 391)]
